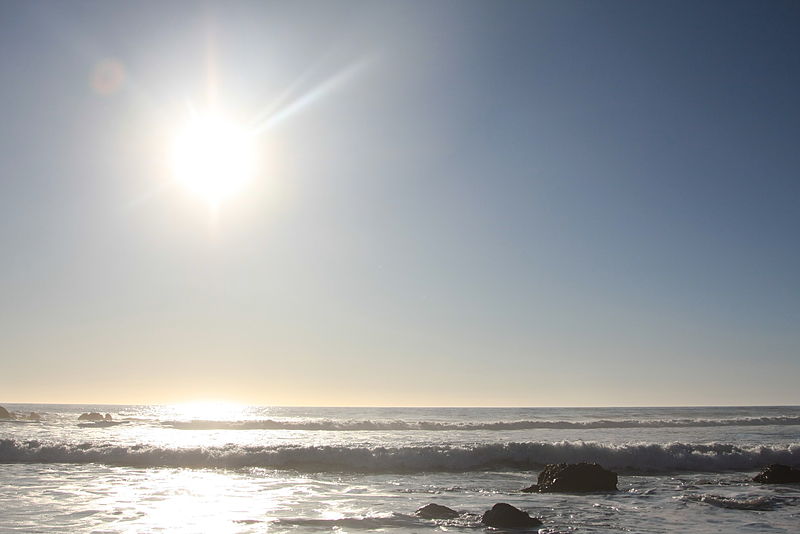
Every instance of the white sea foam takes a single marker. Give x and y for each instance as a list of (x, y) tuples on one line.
[(496, 456), (367, 425)]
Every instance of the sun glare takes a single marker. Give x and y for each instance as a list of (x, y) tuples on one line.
[(208, 410), (214, 157)]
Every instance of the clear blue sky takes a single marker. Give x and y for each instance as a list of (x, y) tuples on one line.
[(494, 203)]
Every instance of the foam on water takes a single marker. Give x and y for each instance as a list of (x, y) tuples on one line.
[(289, 470), (493, 456)]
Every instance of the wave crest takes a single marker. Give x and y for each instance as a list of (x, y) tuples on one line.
[(640, 457), (366, 425)]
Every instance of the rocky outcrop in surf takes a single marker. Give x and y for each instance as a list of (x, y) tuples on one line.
[(574, 478), (32, 416), (91, 416), (778, 474), (503, 515), (436, 511)]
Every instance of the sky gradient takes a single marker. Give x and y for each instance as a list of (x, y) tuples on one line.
[(458, 203)]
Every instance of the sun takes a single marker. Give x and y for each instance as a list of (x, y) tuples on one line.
[(213, 156)]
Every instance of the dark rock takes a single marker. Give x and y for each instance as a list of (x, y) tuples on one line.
[(504, 515), (778, 474), (531, 489), (93, 416), (108, 417), (436, 511), (4, 414), (576, 478)]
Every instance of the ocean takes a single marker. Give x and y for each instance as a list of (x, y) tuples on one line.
[(247, 469)]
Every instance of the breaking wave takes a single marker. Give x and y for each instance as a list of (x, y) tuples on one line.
[(360, 425), (641, 457)]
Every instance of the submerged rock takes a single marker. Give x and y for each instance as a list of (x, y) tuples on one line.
[(574, 478), (93, 416), (436, 511), (33, 416), (504, 515), (778, 474), (4, 414)]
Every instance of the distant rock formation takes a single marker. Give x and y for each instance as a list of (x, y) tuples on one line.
[(580, 477), (108, 417), (4, 414), (503, 515), (33, 416), (93, 416), (436, 511), (778, 474)]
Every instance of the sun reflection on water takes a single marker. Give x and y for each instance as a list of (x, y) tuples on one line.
[(208, 411), (188, 500)]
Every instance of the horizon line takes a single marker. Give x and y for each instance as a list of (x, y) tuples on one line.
[(609, 406)]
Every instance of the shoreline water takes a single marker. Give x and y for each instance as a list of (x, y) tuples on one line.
[(368, 469)]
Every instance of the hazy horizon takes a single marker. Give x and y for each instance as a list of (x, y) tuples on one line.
[(551, 204), (410, 406)]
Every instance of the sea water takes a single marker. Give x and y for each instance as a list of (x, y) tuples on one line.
[(270, 469)]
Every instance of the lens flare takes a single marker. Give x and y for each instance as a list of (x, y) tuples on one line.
[(108, 77)]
